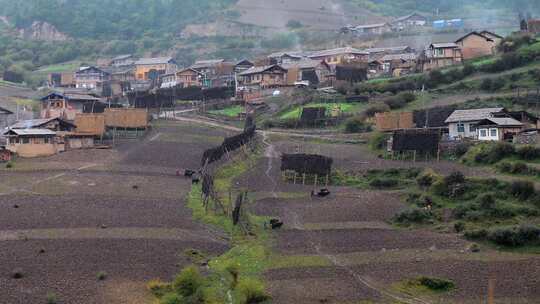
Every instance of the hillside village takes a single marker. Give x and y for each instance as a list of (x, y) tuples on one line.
[(401, 172)]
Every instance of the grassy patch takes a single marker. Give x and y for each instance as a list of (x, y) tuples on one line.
[(237, 273), (333, 109), (229, 112), (425, 286), (293, 261), (377, 179)]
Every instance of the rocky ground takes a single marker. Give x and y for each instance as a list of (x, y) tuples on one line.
[(66, 218)]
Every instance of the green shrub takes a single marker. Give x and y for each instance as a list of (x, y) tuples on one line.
[(436, 284), (188, 281), (412, 173), (459, 227), (468, 70), (407, 96), (461, 149), (477, 234), (378, 141), (466, 211), (384, 183), (376, 108), (159, 288), (426, 178), (515, 236), (101, 276), (497, 84), (486, 84), (356, 125), (522, 189), (491, 153), (486, 201), (10, 164), (51, 298), (528, 152), (394, 102), (172, 298), (452, 185), (455, 178), (294, 24), (252, 291), (413, 215)]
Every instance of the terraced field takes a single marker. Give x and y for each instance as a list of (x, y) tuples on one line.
[(67, 218), (343, 249)]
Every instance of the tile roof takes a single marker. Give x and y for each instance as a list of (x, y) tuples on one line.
[(5, 111), (403, 18), (206, 63), (302, 64), (259, 69), (370, 26), (23, 132), (445, 45), (406, 57), (400, 48), (156, 60), (36, 123), (31, 123), (504, 121), (472, 114), (337, 51), (121, 57)]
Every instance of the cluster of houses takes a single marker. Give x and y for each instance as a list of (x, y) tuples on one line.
[(68, 121), (482, 124), (411, 22), (115, 78)]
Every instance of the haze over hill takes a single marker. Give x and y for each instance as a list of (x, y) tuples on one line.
[(38, 33)]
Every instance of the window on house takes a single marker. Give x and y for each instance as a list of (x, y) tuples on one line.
[(46, 140), (483, 133), (493, 132), (472, 128), (26, 140), (461, 128)]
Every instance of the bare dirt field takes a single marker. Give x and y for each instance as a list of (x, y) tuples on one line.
[(66, 218), (319, 14), (353, 254)]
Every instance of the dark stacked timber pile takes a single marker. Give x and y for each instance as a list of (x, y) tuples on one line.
[(311, 115), (166, 97), (435, 117), (229, 144), (416, 140), (307, 164), (351, 73)]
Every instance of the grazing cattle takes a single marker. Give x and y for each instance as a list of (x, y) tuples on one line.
[(189, 173), (276, 224), (323, 192), (195, 180)]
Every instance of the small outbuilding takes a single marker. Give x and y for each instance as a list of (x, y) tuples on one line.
[(498, 129), (31, 142)]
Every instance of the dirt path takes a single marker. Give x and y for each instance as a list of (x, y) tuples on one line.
[(271, 154), (352, 254)]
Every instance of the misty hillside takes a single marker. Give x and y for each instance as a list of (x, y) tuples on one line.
[(39, 34), (127, 19)]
